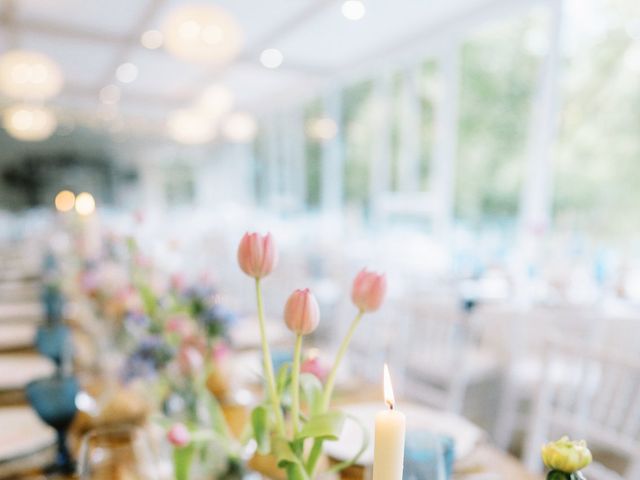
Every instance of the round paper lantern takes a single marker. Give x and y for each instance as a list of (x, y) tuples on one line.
[(29, 123), (202, 34), (29, 75), (240, 127), (190, 126)]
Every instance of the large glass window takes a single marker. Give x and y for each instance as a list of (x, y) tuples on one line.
[(427, 91), (313, 155), (357, 142), (597, 162), (179, 185), (499, 70)]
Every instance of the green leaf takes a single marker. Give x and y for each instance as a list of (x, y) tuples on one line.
[(283, 451), (283, 379), (287, 459), (326, 426), (363, 446), (148, 300), (312, 392), (182, 458), (260, 424), (218, 421)]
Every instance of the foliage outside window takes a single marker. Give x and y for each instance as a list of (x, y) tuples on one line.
[(597, 161), (499, 69), (179, 185)]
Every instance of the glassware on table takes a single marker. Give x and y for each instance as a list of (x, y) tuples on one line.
[(117, 453), (54, 401), (53, 302), (427, 456), (280, 357), (54, 341)]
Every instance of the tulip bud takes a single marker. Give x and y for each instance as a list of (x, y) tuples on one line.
[(179, 435), (257, 254), (301, 313), (368, 290), (566, 456)]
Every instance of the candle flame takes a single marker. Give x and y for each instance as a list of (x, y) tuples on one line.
[(388, 389)]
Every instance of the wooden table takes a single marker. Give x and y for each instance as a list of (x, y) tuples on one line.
[(486, 462)]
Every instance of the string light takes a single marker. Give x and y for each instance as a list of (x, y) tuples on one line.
[(85, 204), (29, 123), (64, 201), (127, 72), (190, 126), (152, 39), (216, 100), (110, 95), (271, 58), (240, 127), (353, 9), (322, 128)]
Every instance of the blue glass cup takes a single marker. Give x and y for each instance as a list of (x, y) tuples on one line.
[(280, 358), (428, 456), (54, 400)]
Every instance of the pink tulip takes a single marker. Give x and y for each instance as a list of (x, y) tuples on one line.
[(301, 313), (179, 435), (368, 290), (257, 254), (314, 367)]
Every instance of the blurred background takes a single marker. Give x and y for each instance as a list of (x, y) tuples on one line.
[(483, 127), (485, 154)]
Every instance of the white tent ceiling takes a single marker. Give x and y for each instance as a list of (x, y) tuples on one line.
[(90, 38)]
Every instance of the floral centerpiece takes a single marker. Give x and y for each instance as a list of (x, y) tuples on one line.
[(170, 336), (565, 458), (280, 425)]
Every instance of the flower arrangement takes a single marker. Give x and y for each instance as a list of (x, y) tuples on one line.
[(565, 458), (181, 349), (172, 334), (296, 440)]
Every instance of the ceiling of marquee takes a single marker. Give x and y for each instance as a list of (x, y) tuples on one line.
[(90, 39)]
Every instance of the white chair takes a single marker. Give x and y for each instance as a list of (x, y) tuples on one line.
[(520, 336), (599, 400), (438, 354)]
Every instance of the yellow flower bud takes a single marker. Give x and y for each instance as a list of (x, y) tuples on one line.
[(565, 455)]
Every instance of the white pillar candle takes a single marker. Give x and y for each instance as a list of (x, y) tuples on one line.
[(389, 438)]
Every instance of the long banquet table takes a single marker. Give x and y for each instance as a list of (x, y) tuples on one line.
[(486, 462)]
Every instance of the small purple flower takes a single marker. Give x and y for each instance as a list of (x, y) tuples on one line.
[(151, 355)]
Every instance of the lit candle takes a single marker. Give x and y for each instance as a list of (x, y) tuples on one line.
[(389, 442)]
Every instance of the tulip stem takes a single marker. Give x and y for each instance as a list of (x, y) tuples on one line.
[(316, 450), (331, 379), (268, 364), (295, 385)]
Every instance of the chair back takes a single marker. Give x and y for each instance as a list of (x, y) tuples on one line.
[(432, 349), (591, 393)]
